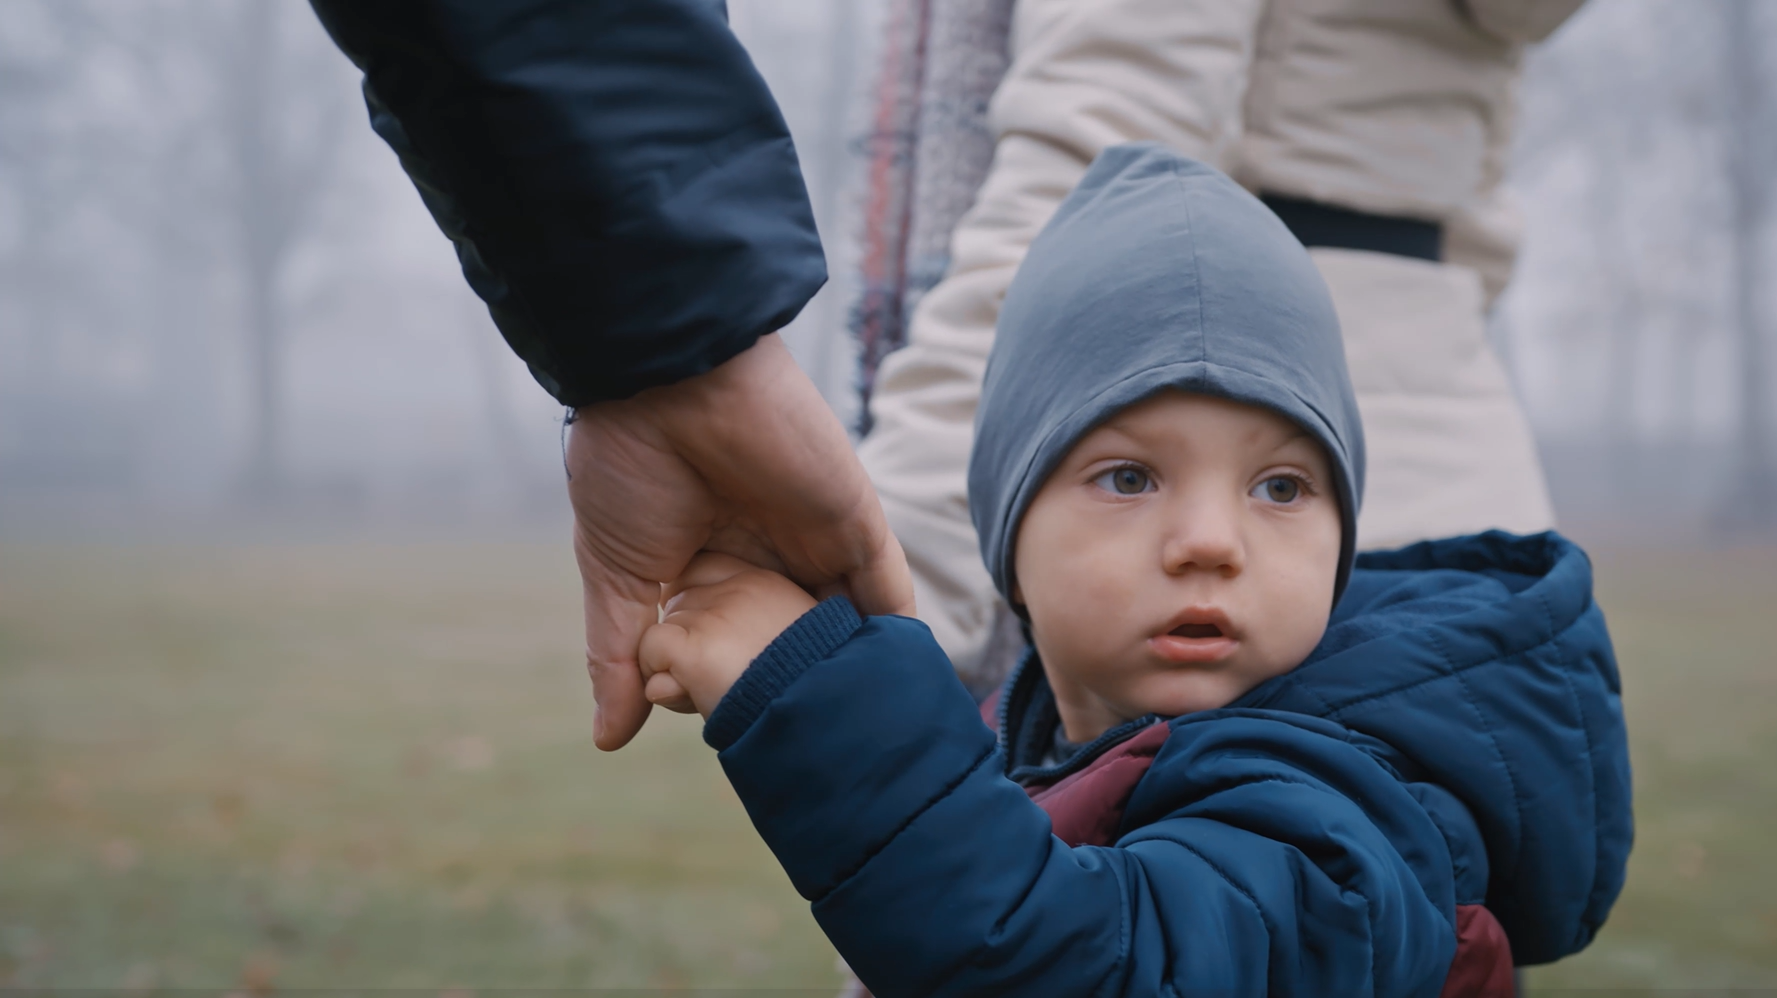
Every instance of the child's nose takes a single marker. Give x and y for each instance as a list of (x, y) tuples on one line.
[(1204, 537)]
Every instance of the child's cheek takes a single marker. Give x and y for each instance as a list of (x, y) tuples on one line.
[(1086, 591)]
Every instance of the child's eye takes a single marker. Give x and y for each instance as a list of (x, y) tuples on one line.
[(1125, 481), (1280, 489)]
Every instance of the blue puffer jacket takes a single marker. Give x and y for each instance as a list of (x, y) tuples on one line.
[(1457, 737)]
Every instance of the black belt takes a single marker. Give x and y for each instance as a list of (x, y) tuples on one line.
[(1318, 224)]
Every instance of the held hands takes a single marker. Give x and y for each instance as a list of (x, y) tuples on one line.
[(746, 460), (719, 616)]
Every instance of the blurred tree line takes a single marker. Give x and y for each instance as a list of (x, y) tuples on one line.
[(161, 163), (1639, 322), (216, 289)]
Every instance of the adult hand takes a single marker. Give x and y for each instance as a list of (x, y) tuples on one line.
[(745, 460)]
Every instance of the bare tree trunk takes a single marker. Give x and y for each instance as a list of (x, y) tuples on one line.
[(1627, 322), (33, 277), (265, 346), (503, 434), (256, 213), (1749, 500), (279, 170)]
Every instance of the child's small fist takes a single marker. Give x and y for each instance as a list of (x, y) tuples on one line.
[(720, 614)]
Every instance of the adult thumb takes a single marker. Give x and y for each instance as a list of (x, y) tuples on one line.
[(618, 607), (884, 584)]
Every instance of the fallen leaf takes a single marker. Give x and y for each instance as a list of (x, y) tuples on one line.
[(120, 855)]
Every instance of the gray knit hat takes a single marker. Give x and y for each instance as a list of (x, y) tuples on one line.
[(1157, 272)]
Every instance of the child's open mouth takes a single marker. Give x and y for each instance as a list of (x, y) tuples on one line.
[(1198, 634)]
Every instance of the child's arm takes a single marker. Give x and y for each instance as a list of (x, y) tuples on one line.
[(1271, 855)]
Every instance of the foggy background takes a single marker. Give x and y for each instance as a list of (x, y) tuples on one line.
[(292, 688), (222, 304)]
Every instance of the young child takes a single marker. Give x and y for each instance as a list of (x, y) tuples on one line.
[(1232, 763)]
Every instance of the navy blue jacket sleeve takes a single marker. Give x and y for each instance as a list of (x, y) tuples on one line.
[(1267, 853), (620, 186)]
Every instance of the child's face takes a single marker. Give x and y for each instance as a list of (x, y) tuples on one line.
[(1181, 554)]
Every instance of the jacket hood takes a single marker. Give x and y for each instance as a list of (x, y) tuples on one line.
[(1157, 272), (1484, 666)]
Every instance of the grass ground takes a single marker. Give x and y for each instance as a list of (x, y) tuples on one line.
[(370, 767)]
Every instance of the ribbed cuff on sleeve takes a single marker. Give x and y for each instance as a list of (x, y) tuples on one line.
[(811, 638)]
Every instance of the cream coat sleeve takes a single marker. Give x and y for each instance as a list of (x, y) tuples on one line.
[(1085, 75), (1519, 20)]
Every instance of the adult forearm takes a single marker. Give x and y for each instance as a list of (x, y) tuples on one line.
[(619, 183)]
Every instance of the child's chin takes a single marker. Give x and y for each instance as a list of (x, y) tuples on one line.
[(1191, 694)]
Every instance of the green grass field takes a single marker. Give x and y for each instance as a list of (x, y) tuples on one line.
[(279, 768)]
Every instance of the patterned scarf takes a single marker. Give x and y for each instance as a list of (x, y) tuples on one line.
[(928, 150)]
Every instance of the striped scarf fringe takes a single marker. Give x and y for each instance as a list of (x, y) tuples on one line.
[(928, 150)]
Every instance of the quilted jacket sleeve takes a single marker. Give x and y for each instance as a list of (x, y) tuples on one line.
[(1269, 854), (619, 184)]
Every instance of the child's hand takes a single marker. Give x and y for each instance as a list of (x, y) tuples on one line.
[(720, 614)]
